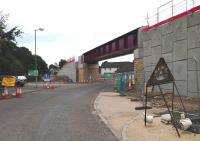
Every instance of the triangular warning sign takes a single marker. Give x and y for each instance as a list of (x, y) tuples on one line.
[(161, 74)]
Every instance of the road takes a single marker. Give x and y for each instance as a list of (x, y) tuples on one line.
[(62, 114)]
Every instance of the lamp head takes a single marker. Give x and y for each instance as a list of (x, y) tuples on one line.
[(41, 29)]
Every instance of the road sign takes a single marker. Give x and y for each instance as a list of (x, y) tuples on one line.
[(161, 74), (8, 81), (33, 72)]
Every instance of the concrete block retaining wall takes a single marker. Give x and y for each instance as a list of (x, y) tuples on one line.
[(177, 42)]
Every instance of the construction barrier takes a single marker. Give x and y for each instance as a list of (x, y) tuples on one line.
[(5, 94), (129, 85), (19, 92), (49, 85), (52, 85), (46, 85)]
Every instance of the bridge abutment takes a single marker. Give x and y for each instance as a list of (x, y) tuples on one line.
[(88, 72)]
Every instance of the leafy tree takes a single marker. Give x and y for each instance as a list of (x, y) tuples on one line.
[(15, 60), (41, 64), (62, 62), (53, 67)]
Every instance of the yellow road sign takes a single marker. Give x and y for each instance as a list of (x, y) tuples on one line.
[(8, 81)]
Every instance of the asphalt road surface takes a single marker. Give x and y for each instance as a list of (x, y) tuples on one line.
[(62, 114)]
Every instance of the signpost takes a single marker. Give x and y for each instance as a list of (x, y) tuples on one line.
[(162, 75)]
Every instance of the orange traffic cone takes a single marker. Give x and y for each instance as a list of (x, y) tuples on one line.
[(19, 92)]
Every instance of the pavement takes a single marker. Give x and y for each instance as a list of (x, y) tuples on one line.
[(127, 124)]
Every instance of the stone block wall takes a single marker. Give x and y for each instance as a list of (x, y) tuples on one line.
[(178, 43), (88, 72)]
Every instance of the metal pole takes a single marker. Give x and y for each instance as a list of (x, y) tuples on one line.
[(145, 112), (193, 3), (173, 99), (173, 120), (35, 60), (172, 7), (180, 98), (157, 15), (197, 79), (186, 4)]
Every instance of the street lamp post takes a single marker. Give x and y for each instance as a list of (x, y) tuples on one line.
[(36, 67)]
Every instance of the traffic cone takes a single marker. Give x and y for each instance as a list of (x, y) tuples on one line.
[(52, 86), (5, 94), (19, 92), (129, 85), (46, 85)]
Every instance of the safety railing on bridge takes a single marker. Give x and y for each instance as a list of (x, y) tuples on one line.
[(171, 9)]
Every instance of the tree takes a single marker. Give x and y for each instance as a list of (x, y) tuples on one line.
[(41, 64), (15, 60), (62, 62), (53, 67)]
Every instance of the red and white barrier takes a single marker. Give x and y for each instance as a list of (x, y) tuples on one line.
[(5, 94), (19, 92)]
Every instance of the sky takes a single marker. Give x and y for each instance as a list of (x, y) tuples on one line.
[(72, 27)]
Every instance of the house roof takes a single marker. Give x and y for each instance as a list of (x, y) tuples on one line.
[(122, 66)]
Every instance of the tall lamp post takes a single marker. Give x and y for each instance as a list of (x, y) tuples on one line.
[(36, 67)]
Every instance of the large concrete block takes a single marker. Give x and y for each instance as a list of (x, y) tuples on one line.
[(147, 48), (146, 36), (167, 28), (193, 81), (147, 61), (167, 88), (147, 75), (180, 29), (180, 70), (156, 37), (168, 57), (167, 43), (170, 66), (156, 54), (192, 54), (191, 94), (180, 50), (138, 53), (153, 67), (194, 37), (182, 88), (148, 69), (194, 19)]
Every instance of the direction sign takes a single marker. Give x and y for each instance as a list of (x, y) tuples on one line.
[(33, 72)]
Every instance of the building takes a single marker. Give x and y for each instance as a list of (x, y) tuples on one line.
[(108, 69)]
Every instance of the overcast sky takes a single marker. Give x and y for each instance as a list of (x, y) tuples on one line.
[(73, 27)]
